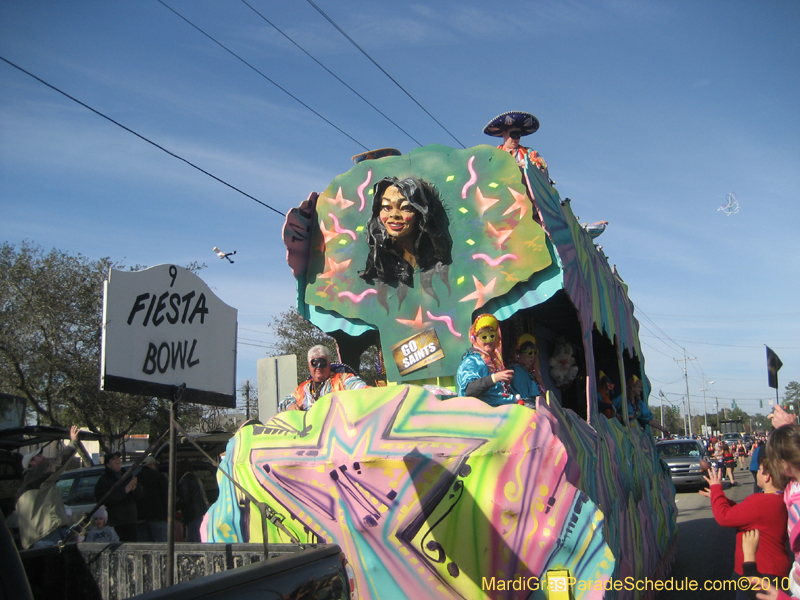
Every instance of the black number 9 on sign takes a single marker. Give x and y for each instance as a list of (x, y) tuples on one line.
[(173, 272)]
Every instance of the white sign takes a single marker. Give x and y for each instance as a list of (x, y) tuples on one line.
[(164, 327)]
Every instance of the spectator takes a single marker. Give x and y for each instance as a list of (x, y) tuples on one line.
[(121, 504), (741, 454), (192, 502), (101, 532), (42, 516), (325, 378), (765, 512), (754, 462), (728, 462), (152, 505), (783, 451)]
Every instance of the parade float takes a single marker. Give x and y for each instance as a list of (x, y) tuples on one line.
[(431, 495)]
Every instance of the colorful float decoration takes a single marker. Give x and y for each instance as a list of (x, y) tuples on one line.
[(446, 497)]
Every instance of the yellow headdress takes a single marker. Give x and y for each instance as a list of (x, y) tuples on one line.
[(525, 338), (484, 321)]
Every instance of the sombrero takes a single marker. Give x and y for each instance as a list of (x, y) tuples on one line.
[(373, 154), (525, 122)]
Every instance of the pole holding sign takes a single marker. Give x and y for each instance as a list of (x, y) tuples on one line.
[(163, 327)]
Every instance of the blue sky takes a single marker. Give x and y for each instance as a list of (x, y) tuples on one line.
[(651, 113)]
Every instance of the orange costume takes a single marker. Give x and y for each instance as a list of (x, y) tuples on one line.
[(307, 393)]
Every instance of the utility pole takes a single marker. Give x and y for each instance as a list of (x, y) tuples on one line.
[(686, 377), (661, 402), (247, 398), (716, 400), (685, 415), (705, 410)]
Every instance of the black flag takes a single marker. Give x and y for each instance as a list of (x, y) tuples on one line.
[(774, 365)]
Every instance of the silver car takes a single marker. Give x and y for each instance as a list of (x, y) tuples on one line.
[(683, 459)]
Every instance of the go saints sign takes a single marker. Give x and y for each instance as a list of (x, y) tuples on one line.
[(417, 351), (163, 327)]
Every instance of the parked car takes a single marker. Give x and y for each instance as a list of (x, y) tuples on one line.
[(683, 459), (77, 486), (731, 438), (77, 489)]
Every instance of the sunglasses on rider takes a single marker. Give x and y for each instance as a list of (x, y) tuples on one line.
[(319, 363), (515, 135)]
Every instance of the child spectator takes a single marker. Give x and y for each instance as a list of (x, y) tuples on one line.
[(101, 533), (749, 549), (765, 512), (783, 452)]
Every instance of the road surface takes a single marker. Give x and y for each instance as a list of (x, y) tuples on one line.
[(705, 550)]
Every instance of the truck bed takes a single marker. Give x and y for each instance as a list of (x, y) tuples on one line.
[(91, 571)]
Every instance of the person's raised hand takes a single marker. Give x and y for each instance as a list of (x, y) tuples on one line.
[(74, 433), (780, 417), (714, 476)]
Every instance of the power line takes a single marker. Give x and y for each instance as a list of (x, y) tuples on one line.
[(749, 317), (654, 349), (641, 312), (284, 90), (255, 330), (332, 73), (140, 136), (725, 345), (256, 345), (340, 30)]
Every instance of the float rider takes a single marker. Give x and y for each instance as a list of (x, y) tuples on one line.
[(325, 378), (511, 126), (526, 382), (481, 373)]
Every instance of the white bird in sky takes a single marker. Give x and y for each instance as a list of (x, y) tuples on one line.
[(222, 254)]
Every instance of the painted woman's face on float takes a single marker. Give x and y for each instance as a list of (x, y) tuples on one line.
[(397, 215), (486, 339)]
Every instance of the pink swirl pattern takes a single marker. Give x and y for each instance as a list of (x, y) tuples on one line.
[(361, 189), (357, 298), (447, 320), (494, 261), (473, 177), (339, 229)]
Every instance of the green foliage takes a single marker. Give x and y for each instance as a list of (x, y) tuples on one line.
[(672, 418), (51, 306), (296, 335), (792, 393), (738, 413)]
